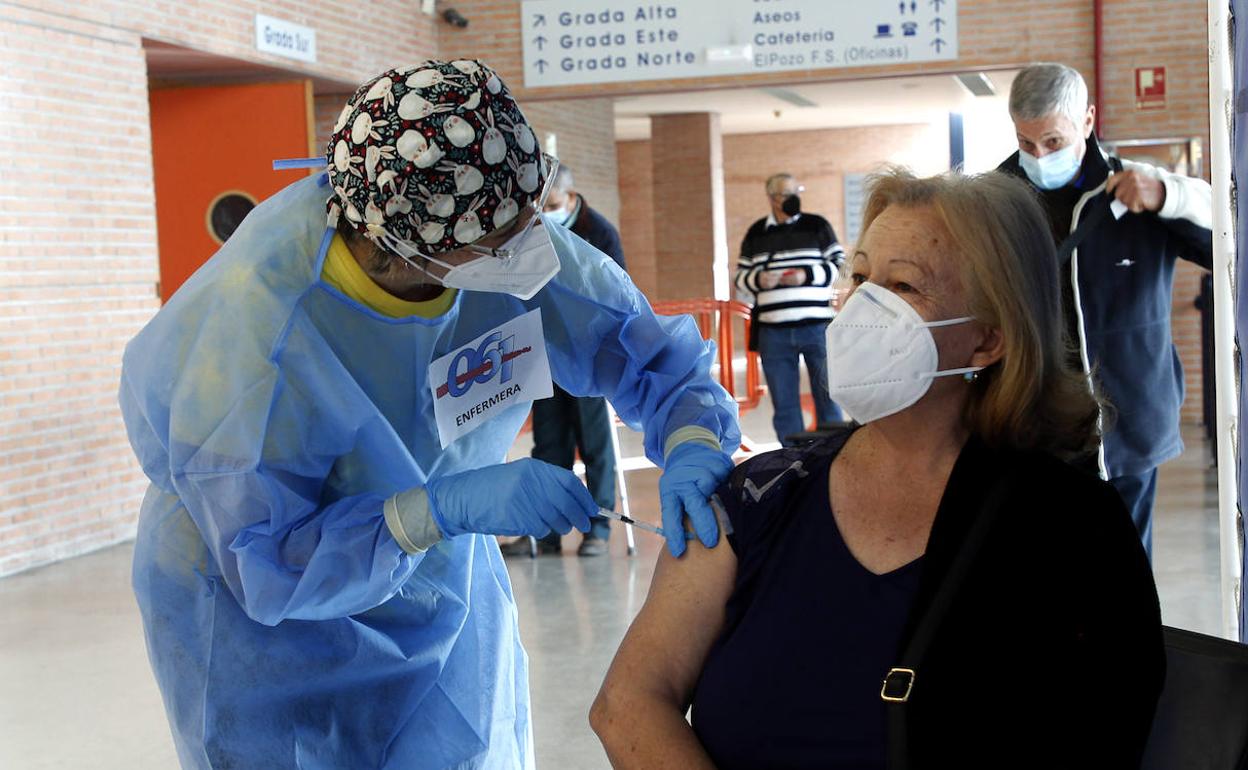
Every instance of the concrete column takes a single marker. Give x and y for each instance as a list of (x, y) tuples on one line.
[(690, 245)]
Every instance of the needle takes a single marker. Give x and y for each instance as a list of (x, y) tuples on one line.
[(608, 514), (721, 516)]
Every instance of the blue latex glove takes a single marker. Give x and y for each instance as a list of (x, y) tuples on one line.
[(525, 497), (693, 471)]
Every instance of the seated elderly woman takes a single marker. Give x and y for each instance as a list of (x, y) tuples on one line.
[(788, 639)]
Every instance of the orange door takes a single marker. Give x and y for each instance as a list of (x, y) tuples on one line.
[(213, 149)]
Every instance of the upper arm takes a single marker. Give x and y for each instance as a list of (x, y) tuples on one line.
[(1188, 214), (665, 648), (829, 246), (828, 235)]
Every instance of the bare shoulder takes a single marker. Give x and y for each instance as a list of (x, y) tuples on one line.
[(667, 644), (699, 574)]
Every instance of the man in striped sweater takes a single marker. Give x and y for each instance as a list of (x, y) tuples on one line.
[(788, 262)]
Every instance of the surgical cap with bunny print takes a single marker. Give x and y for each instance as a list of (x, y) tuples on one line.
[(437, 155)]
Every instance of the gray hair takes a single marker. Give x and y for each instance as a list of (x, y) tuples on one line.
[(775, 179), (1044, 89), (563, 180)]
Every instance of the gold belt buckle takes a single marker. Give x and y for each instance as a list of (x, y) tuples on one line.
[(898, 675)]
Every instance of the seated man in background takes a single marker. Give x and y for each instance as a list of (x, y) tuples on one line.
[(563, 424), (788, 263), (950, 354)]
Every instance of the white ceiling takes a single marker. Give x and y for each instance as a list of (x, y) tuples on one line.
[(868, 102)]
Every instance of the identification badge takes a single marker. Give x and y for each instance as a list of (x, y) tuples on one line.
[(479, 381)]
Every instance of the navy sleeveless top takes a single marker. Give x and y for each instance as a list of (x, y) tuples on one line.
[(794, 679)]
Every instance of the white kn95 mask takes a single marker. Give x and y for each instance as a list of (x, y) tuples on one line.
[(881, 355)]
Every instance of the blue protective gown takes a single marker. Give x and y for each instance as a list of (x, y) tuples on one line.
[(274, 415)]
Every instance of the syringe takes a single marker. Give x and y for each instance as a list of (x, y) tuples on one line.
[(609, 514), (725, 525)]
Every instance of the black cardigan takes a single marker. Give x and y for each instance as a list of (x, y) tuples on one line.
[(1051, 654), (598, 232)]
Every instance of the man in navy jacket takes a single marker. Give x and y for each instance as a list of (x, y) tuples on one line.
[(1118, 277), (564, 424)]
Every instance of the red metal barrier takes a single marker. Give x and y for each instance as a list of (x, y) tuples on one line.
[(720, 320)]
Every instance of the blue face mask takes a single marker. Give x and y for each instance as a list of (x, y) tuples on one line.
[(559, 216), (1054, 170)]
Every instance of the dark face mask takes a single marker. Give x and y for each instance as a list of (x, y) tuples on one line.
[(792, 205)]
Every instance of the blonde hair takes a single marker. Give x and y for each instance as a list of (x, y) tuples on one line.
[(1033, 398)]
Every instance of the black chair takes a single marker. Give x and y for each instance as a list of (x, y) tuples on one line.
[(1202, 718)]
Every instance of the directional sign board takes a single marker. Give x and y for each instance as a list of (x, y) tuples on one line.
[(571, 42)]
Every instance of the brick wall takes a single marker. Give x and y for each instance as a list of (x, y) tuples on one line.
[(584, 130), (687, 168), (1185, 328), (326, 107), (637, 214), (353, 40), (1173, 34), (820, 160), (1144, 33), (77, 279)]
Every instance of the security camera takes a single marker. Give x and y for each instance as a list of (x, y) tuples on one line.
[(454, 18)]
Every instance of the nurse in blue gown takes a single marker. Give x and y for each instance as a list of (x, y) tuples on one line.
[(316, 565)]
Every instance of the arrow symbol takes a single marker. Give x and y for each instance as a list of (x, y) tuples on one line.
[(937, 4), (937, 22), (938, 43), (539, 20), (541, 66), (540, 42)]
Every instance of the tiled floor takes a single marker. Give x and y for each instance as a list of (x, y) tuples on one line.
[(1185, 539), (76, 691)]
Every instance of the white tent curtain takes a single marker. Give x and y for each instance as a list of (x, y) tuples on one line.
[(1228, 73)]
